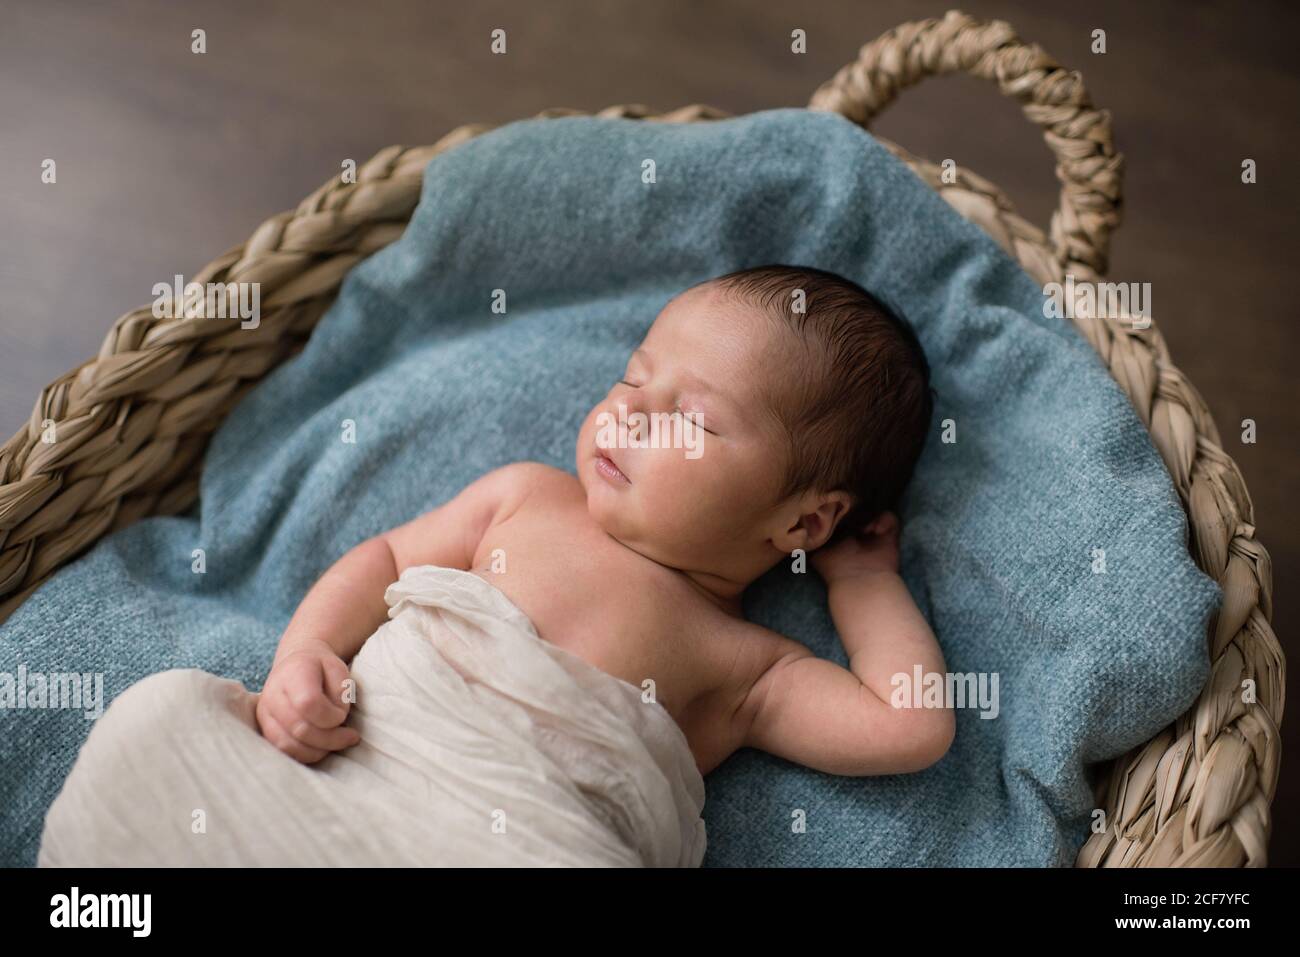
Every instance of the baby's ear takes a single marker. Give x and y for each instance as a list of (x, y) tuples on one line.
[(841, 531), (826, 516)]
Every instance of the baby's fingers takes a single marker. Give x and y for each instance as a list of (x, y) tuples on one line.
[(311, 736), (274, 731), (304, 685), (337, 676)]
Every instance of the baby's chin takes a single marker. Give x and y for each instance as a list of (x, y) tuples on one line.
[(618, 521), (610, 515), (653, 542)]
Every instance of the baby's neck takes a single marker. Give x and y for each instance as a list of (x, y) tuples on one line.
[(724, 593), (718, 590)]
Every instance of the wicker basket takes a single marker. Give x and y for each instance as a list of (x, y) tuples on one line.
[(130, 426)]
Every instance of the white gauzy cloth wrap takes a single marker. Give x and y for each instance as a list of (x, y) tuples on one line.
[(481, 745)]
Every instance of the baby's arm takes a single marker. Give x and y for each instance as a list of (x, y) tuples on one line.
[(811, 711), (300, 708), (347, 604)]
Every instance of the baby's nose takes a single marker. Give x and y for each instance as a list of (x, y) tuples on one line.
[(633, 402)]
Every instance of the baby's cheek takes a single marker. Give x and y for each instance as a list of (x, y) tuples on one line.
[(684, 497)]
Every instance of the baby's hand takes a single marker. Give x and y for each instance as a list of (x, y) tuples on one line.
[(301, 707), (872, 550)]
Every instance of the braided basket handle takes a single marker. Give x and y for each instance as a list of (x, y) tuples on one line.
[(1078, 134)]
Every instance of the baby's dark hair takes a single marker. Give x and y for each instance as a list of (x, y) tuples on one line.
[(861, 403)]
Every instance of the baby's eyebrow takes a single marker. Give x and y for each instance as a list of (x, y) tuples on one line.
[(700, 385)]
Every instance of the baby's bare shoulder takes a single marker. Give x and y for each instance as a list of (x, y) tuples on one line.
[(749, 650), (540, 471), (508, 481), (524, 479), (519, 483), (739, 653), (761, 650), (763, 643)]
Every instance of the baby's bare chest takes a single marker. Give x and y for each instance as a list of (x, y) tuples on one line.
[(616, 610)]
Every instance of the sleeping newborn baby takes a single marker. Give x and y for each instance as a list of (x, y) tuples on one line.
[(599, 614), (812, 404)]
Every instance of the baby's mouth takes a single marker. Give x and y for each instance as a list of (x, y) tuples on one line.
[(609, 471)]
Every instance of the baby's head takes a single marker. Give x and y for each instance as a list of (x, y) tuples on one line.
[(791, 408)]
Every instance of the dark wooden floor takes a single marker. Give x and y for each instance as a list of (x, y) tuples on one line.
[(166, 159)]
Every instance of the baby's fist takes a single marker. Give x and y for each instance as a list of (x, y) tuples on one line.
[(872, 550), (302, 708)]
